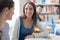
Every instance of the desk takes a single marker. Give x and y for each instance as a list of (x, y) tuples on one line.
[(53, 37), (36, 39)]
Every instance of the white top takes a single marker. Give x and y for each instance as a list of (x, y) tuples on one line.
[(16, 30)]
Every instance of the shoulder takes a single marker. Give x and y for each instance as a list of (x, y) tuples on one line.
[(5, 35), (6, 26), (18, 18), (17, 23)]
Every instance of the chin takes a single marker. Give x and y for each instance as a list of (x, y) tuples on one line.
[(9, 19), (29, 17)]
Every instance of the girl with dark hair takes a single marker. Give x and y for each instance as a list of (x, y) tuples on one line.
[(24, 25)]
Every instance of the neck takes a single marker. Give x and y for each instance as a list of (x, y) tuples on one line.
[(2, 26), (29, 19), (2, 22)]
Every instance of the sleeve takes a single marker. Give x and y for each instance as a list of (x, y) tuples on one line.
[(5, 35), (15, 31), (44, 32)]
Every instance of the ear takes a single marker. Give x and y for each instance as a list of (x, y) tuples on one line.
[(6, 10)]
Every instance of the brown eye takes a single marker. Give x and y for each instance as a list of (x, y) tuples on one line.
[(30, 8), (26, 8)]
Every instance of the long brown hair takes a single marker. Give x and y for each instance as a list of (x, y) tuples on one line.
[(34, 17)]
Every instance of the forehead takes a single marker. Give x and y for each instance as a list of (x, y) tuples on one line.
[(28, 5)]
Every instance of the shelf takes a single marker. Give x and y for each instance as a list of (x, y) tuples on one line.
[(58, 5), (58, 21), (46, 13), (49, 8), (48, 4)]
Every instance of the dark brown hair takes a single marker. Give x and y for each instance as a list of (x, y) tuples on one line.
[(6, 3), (34, 17)]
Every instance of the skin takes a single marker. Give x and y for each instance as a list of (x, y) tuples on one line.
[(29, 11), (10, 14)]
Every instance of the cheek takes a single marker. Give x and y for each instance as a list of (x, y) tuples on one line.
[(26, 14), (11, 12), (9, 15), (32, 12), (25, 11)]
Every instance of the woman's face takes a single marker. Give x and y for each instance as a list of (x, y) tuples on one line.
[(38, 9), (10, 13), (29, 10)]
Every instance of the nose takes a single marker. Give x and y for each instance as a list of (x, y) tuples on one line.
[(28, 10)]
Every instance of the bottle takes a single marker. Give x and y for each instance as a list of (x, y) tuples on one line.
[(43, 1), (52, 26)]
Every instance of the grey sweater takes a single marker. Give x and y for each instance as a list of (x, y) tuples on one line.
[(5, 35)]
